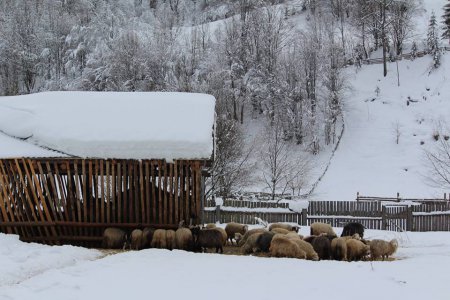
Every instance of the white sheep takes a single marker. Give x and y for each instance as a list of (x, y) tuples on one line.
[(383, 249), (318, 228)]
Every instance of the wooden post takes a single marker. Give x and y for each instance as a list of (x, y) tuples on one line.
[(398, 197), (409, 219), (383, 218), (218, 214), (357, 196), (304, 217)]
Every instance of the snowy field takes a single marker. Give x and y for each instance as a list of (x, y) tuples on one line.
[(30, 271)]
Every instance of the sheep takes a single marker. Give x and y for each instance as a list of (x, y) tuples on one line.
[(184, 239), (283, 226), (159, 239), (352, 228), (280, 230), (224, 234), (136, 239), (250, 245), (318, 228), (263, 240), (339, 246), (305, 246), (294, 235), (170, 239), (241, 239), (147, 236), (383, 249), (115, 238), (356, 250), (233, 228), (322, 246), (207, 238), (210, 226), (281, 246)]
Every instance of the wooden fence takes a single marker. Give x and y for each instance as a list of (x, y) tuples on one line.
[(400, 216), (59, 201)]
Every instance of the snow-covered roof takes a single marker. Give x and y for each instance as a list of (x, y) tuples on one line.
[(108, 125)]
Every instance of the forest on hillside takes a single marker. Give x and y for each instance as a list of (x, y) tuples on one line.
[(280, 62)]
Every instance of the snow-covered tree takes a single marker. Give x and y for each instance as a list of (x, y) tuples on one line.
[(433, 41), (446, 21)]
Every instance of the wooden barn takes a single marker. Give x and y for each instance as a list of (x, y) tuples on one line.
[(75, 163)]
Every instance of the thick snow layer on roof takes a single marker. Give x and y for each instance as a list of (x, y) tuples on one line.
[(109, 125)]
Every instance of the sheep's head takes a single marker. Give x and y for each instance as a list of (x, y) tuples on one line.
[(356, 237), (295, 228), (238, 237), (245, 228), (393, 245)]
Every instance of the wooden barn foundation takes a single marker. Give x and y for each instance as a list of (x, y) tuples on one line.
[(71, 201)]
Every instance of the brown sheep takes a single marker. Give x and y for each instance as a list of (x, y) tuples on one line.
[(307, 247), (232, 228), (184, 239), (294, 235), (136, 239), (210, 226), (171, 239), (207, 238), (322, 246), (356, 250), (318, 228), (159, 239), (383, 249), (147, 236), (224, 234), (263, 241), (281, 246), (250, 245), (115, 238), (284, 226), (280, 230), (241, 239), (339, 246)]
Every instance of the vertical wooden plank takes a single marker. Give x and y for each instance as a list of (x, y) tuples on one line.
[(49, 199), (102, 192), (63, 193), (84, 191), (148, 199), (119, 192), (136, 192), (108, 192), (131, 199), (160, 195), (96, 191), (142, 188), (171, 196), (70, 197), (91, 192), (113, 191), (181, 192), (4, 203), (187, 198), (125, 191), (78, 190), (175, 192), (165, 184), (153, 186)]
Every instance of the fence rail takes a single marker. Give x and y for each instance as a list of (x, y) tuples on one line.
[(373, 212)]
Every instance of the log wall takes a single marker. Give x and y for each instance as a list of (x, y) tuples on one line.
[(59, 201)]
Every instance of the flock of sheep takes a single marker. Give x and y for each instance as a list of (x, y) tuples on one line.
[(279, 240)]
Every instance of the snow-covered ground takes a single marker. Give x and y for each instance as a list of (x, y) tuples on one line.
[(30, 271), (368, 159)]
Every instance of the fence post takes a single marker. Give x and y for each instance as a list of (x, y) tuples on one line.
[(304, 217), (383, 217), (218, 213), (409, 219)]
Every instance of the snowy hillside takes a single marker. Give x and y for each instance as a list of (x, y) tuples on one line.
[(369, 160)]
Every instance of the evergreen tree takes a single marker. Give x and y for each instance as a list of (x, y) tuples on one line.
[(433, 40), (446, 27)]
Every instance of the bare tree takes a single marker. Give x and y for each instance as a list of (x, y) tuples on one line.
[(282, 168), (438, 162)]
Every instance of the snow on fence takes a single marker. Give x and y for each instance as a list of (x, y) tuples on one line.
[(373, 214)]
